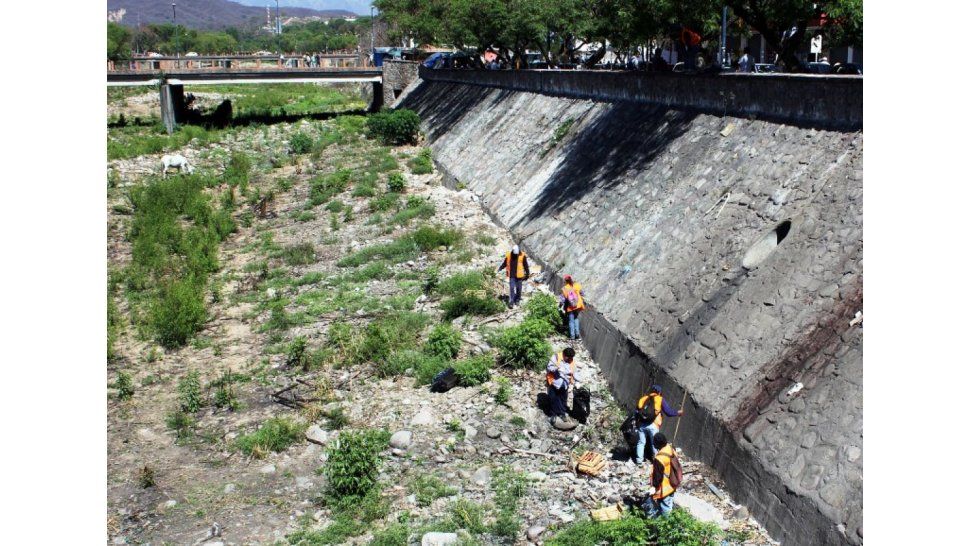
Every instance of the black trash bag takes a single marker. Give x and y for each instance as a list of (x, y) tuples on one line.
[(629, 431), (544, 403), (446, 380), (580, 409)]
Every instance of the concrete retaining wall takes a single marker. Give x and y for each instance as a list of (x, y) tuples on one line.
[(825, 101), (654, 208)]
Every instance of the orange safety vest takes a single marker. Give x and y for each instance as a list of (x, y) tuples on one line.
[(551, 376), (577, 288), (657, 407), (519, 267), (664, 456)]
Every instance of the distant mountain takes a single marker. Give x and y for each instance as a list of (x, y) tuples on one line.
[(206, 14), (360, 7)]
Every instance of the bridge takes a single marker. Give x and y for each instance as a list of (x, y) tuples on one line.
[(171, 82)]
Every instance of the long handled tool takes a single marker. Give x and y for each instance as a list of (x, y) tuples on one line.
[(677, 427)]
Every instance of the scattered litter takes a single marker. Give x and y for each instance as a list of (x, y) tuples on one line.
[(716, 490), (794, 389), (591, 463), (857, 319), (727, 130), (608, 513)]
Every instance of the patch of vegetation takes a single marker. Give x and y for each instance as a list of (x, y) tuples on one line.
[(298, 254), (431, 237), (458, 283), (508, 487), (323, 188), (125, 386), (238, 170), (353, 464), (544, 307), (408, 359), (394, 331), (421, 163), (225, 396), (443, 341), (180, 422), (133, 141), (365, 185), (335, 206), (146, 477), (468, 515), (190, 397), (415, 207), (471, 304), (305, 216), (394, 126), (504, 392), (428, 487), (297, 355), (371, 271), (562, 130), (426, 368), (485, 240), (396, 183), (396, 534), (525, 345), (274, 434), (300, 143), (399, 250), (677, 529), (388, 201), (474, 370)]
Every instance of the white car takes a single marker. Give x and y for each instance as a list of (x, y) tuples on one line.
[(191, 54)]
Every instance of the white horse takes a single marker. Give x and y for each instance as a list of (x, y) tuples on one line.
[(177, 161)]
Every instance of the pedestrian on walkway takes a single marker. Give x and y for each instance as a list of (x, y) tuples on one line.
[(560, 372), (651, 409), (665, 478), (746, 64), (516, 266), (572, 301)]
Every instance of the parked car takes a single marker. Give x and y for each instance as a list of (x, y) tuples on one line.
[(847, 68), (765, 68)]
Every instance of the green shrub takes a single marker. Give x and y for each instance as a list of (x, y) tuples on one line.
[(544, 308), (416, 207), (407, 359), (504, 392), (366, 185), (394, 126), (396, 534), (431, 237), (443, 341), (427, 368), (422, 163), (300, 143), (391, 332), (274, 434), (297, 355), (468, 515), (298, 254), (397, 251), (395, 183), (458, 283), (125, 386), (471, 304), (371, 271), (428, 487), (474, 370), (336, 418), (326, 187), (335, 206), (180, 422), (388, 201), (190, 393), (305, 216), (178, 312), (353, 462), (677, 529), (238, 170), (525, 345), (225, 396)]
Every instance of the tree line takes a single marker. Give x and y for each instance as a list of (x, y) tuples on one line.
[(558, 29), (310, 36)]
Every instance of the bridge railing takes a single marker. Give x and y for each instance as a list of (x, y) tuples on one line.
[(228, 62)]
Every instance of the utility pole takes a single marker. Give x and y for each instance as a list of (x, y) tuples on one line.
[(372, 33), (178, 57), (723, 53), (279, 29)]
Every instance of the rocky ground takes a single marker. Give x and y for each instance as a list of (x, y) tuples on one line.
[(147, 104), (206, 491)]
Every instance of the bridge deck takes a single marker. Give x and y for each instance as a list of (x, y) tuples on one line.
[(266, 75)]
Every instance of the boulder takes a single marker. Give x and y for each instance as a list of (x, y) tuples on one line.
[(423, 417), (700, 509), (534, 532), (317, 435), (401, 439), (482, 476), (439, 539)]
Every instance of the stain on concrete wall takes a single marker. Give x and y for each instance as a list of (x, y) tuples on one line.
[(654, 208)]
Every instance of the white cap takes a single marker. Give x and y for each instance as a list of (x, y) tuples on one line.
[(515, 249)]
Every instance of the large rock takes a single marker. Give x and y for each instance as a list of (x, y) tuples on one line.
[(401, 439), (317, 435), (423, 417), (439, 539), (534, 532), (482, 476), (700, 509)]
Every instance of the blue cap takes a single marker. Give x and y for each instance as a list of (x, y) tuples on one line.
[(656, 388)]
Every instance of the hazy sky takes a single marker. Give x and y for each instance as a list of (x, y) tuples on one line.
[(356, 6)]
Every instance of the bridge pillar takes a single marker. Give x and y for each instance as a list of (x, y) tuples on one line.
[(377, 99), (172, 99)]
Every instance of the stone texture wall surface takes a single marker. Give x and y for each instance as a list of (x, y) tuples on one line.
[(653, 209), (397, 76)]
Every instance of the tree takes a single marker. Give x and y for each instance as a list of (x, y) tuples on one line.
[(119, 42)]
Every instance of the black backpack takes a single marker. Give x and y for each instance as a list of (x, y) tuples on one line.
[(446, 380), (647, 414), (580, 410), (629, 431)]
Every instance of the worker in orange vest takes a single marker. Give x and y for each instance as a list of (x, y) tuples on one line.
[(560, 372), (516, 266), (572, 301), (651, 409), (665, 478)]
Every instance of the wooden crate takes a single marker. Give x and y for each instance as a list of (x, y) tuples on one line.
[(591, 463)]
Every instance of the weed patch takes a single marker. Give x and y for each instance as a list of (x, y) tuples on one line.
[(525, 345), (275, 434), (394, 126)]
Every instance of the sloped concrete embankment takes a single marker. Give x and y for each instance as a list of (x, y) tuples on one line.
[(655, 208)]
